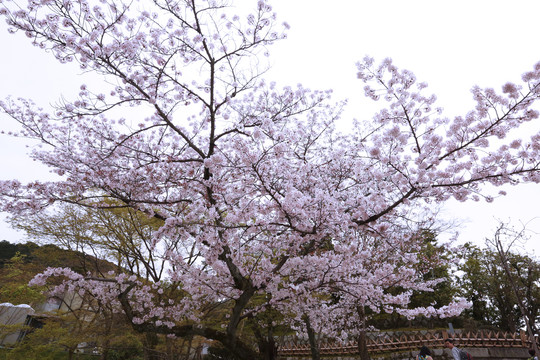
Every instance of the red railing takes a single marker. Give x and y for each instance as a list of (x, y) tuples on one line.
[(403, 341)]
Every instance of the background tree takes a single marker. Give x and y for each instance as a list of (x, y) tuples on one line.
[(485, 284), (255, 182), (503, 240), (76, 320), (120, 236), (477, 282), (14, 287), (9, 250), (60, 338)]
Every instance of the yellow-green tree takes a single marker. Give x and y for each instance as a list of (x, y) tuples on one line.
[(123, 238)]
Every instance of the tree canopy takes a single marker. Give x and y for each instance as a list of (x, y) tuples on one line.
[(262, 203)]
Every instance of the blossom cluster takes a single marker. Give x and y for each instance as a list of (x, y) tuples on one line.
[(256, 192)]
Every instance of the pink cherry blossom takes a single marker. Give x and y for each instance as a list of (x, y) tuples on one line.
[(256, 191)]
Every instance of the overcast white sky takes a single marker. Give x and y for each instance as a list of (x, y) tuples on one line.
[(452, 45)]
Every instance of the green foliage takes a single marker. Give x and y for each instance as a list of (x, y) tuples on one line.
[(125, 347), (485, 284), (62, 332), (118, 235), (9, 250), (42, 344), (433, 265), (29, 259), (60, 336), (479, 275), (36, 352), (14, 277)]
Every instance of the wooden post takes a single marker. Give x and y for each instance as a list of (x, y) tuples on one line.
[(523, 339)]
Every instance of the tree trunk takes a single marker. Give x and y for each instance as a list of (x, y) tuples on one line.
[(150, 343), (313, 345), (268, 349), (105, 349), (362, 339), (362, 346), (267, 345)]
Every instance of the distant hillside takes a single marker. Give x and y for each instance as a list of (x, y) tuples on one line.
[(8, 250), (52, 256), (19, 263)]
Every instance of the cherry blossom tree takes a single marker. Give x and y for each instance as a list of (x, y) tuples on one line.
[(255, 187)]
